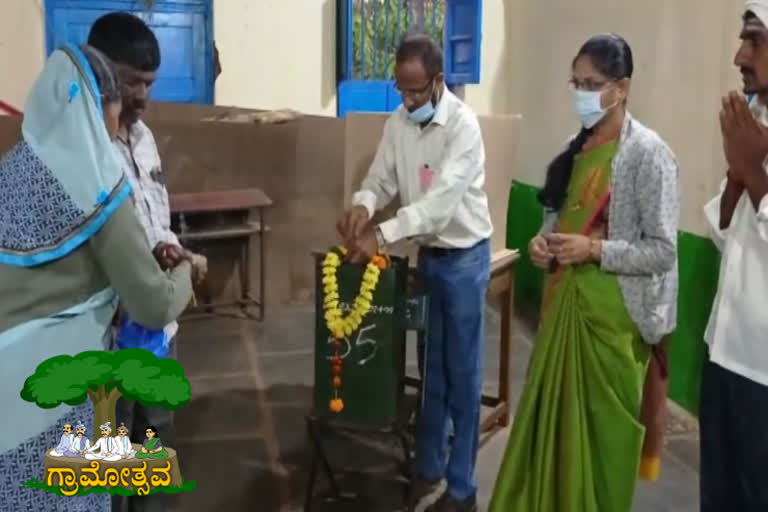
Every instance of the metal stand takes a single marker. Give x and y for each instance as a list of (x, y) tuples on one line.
[(417, 307), (315, 428)]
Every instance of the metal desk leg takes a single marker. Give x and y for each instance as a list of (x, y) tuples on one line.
[(245, 278), (262, 264), (319, 457)]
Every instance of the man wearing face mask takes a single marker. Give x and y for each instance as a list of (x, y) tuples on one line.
[(432, 156)]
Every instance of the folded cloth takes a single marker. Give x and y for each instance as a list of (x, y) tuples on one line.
[(759, 8)]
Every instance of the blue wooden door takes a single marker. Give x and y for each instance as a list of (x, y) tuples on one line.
[(183, 28), (370, 31), (463, 38)]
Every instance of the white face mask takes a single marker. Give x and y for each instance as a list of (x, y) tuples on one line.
[(587, 106)]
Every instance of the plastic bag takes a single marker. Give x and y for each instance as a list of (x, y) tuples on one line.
[(132, 335)]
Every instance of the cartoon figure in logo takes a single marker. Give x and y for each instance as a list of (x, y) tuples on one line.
[(153, 447), (80, 443), (65, 442), (123, 446), (105, 446)]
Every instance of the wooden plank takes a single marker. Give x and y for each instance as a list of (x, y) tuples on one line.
[(502, 259), (219, 201), (245, 230)]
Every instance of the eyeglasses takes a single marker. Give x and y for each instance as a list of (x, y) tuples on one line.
[(588, 84), (413, 92)]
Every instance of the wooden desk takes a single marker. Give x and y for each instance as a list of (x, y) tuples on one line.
[(222, 216)]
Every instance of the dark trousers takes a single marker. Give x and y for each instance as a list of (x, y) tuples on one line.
[(137, 418), (733, 422)]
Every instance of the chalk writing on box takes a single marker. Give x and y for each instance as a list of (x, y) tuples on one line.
[(375, 309), (365, 345)]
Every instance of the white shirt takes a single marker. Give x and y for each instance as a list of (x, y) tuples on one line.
[(148, 191), (452, 210), (122, 445), (104, 445), (738, 325)]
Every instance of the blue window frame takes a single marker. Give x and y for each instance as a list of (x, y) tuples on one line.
[(184, 29), (369, 31)]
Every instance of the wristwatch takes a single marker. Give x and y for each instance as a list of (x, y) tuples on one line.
[(380, 242)]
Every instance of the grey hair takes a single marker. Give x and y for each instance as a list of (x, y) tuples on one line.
[(106, 75)]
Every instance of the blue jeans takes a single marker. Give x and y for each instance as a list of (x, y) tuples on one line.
[(457, 281)]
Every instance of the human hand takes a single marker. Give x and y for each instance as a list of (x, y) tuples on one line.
[(539, 252), (168, 255), (569, 249), (364, 247), (734, 178), (199, 266), (745, 141), (352, 223)]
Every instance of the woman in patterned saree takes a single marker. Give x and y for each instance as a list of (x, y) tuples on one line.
[(609, 243), (69, 245)]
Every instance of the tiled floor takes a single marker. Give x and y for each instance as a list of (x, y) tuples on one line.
[(243, 436)]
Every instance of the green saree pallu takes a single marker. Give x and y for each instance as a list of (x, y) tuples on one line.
[(576, 441), (151, 444)]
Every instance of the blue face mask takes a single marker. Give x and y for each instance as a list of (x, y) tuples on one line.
[(587, 106), (422, 114)]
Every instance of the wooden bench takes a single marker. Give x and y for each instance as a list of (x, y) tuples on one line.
[(224, 216)]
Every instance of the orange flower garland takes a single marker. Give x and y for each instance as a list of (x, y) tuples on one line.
[(339, 325)]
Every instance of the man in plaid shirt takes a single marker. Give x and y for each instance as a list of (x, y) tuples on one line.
[(134, 50)]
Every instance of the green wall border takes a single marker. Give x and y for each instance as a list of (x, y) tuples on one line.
[(698, 261)]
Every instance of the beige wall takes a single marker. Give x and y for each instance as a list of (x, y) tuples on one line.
[(273, 58), (277, 54), (22, 47), (683, 57), (274, 53)]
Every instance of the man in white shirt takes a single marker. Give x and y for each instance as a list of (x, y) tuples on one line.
[(734, 396), (432, 156), (122, 443), (104, 449), (134, 49)]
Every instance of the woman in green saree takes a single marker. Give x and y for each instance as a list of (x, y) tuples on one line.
[(152, 448), (609, 242)]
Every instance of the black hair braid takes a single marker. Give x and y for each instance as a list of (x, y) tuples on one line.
[(552, 196)]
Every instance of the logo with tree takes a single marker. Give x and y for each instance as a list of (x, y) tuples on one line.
[(106, 463)]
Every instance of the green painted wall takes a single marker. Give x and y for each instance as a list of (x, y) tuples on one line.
[(698, 265)]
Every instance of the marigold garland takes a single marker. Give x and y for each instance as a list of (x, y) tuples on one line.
[(338, 324)]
